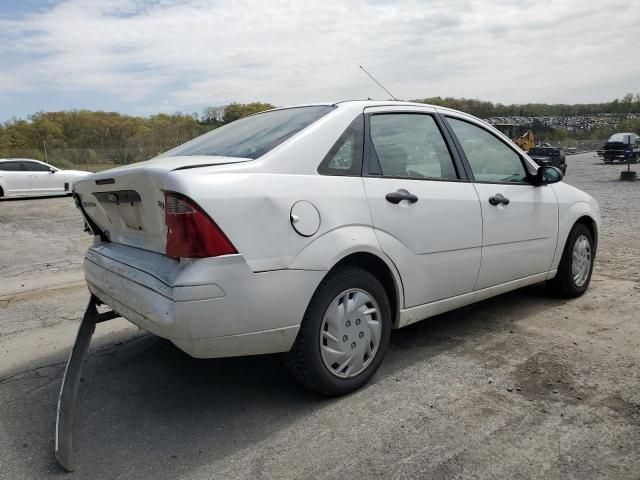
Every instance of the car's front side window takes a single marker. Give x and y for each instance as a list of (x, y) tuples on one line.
[(489, 158), (410, 145)]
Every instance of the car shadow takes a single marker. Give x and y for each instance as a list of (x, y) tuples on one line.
[(146, 409)]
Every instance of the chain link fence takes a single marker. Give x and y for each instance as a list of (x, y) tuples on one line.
[(578, 146), (96, 159)]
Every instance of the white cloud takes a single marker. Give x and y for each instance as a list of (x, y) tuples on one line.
[(178, 54)]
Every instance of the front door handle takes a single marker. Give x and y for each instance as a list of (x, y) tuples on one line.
[(497, 199), (402, 194)]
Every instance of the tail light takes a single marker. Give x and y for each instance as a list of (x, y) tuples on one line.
[(191, 232)]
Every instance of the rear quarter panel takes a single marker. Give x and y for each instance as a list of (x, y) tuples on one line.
[(254, 211)]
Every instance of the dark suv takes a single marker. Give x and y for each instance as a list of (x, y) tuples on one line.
[(553, 156)]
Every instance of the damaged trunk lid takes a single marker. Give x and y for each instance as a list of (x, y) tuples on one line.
[(125, 205)]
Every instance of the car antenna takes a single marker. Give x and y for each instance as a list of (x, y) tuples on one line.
[(381, 86)]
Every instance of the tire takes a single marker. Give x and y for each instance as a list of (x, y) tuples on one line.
[(350, 335), (1, 193), (570, 282)]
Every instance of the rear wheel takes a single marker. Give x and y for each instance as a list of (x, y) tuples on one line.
[(576, 264), (344, 334)]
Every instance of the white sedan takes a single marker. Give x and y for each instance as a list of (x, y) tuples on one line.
[(23, 177), (315, 230)]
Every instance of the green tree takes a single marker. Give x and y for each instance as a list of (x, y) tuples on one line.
[(234, 111)]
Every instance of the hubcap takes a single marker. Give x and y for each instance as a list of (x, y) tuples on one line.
[(581, 260), (350, 333)]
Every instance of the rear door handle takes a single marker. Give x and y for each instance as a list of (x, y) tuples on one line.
[(401, 194), (497, 199)]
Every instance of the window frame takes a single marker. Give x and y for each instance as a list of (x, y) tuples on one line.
[(371, 164), (530, 181)]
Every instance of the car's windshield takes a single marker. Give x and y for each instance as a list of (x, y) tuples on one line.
[(253, 136)]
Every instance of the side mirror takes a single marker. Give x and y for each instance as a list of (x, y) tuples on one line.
[(52, 170), (547, 174)]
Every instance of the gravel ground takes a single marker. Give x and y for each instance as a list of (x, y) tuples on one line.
[(519, 386)]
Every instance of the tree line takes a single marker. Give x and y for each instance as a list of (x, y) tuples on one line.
[(630, 103), (83, 137)]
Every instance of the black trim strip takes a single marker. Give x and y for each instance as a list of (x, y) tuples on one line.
[(105, 181), (458, 148), (117, 197), (453, 151)]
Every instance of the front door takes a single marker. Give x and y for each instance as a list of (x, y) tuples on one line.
[(43, 180), (425, 214), (520, 220)]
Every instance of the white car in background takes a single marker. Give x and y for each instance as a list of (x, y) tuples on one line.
[(22, 177), (315, 230)]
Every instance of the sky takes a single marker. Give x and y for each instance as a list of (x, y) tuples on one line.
[(147, 56)]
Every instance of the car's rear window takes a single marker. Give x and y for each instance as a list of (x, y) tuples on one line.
[(253, 136)]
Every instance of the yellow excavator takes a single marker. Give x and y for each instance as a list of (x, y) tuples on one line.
[(525, 142)]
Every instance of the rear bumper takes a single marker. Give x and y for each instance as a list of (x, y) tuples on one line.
[(212, 307)]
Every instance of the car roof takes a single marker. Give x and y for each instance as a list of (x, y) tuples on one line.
[(363, 103)]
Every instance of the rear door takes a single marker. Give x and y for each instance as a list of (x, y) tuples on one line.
[(425, 213), (14, 180), (42, 180), (520, 220)]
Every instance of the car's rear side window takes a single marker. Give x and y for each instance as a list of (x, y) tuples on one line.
[(345, 156), (410, 145), (10, 166), (253, 136)]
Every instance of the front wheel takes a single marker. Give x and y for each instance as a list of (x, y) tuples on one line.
[(344, 334), (576, 264)]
